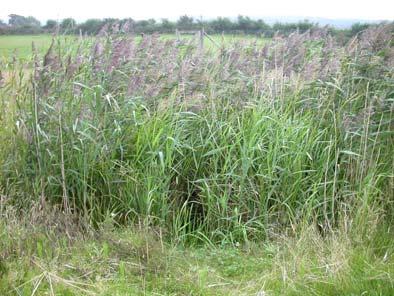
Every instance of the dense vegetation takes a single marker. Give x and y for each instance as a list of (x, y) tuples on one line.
[(234, 146), (18, 24), (224, 142)]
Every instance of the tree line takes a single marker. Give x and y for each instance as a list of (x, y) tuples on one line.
[(18, 24)]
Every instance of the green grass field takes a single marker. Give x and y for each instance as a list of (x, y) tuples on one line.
[(21, 45)]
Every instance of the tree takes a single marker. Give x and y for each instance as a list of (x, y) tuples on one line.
[(50, 25), (68, 25), (221, 24), (33, 22), (3, 27), (167, 26), (91, 26), (305, 26), (185, 23), (263, 27), (247, 25), (358, 27), (146, 26), (16, 20)]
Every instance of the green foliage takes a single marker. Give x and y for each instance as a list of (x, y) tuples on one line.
[(69, 24), (91, 26), (50, 25), (18, 24), (358, 27), (242, 25), (271, 162), (287, 28), (223, 169), (138, 263), (21, 21), (185, 23)]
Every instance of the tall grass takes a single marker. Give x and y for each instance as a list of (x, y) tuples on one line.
[(229, 144)]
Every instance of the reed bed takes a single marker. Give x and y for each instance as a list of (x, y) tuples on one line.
[(235, 144)]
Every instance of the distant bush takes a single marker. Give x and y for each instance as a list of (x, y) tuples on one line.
[(242, 25)]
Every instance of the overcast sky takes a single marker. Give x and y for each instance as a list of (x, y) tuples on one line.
[(172, 9)]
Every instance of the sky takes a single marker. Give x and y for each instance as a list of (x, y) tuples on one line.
[(172, 9)]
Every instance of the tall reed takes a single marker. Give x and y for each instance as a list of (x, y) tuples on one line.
[(226, 144)]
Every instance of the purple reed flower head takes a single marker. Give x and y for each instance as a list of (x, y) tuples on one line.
[(115, 28), (98, 55), (377, 38), (49, 56), (73, 64), (103, 31), (52, 62), (122, 51), (126, 27)]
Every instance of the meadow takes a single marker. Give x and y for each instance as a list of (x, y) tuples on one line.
[(20, 46), (152, 166)]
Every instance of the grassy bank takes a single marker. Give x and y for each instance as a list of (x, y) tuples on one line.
[(55, 259), (251, 168)]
